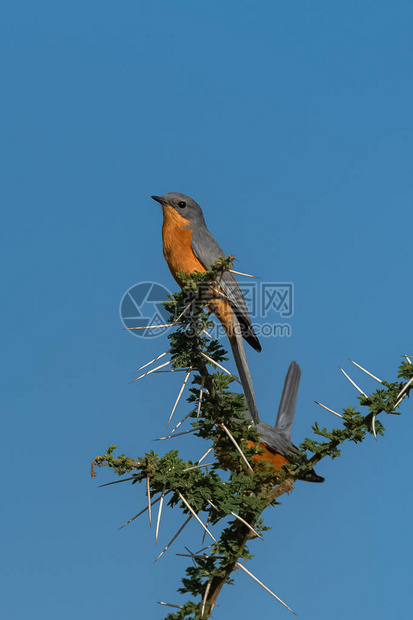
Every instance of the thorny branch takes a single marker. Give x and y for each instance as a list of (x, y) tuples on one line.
[(244, 494)]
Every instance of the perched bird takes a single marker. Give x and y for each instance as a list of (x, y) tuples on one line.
[(276, 440), (188, 246)]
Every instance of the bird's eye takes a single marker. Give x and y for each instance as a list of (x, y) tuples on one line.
[(182, 204)]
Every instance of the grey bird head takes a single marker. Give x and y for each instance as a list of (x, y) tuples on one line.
[(185, 206)]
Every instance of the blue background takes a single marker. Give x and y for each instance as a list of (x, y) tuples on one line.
[(291, 123)]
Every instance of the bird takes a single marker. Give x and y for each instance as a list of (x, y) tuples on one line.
[(188, 246), (275, 441)]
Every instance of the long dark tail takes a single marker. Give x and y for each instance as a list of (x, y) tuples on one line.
[(288, 402), (241, 362), (286, 412)]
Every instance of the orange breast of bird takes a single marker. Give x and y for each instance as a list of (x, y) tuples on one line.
[(277, 460), (178, 253), (176, 241)]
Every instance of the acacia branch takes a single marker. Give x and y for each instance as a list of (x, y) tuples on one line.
[(244, 494)]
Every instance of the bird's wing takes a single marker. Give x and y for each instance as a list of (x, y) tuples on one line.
[(286, 410), (207, 250), (275, 440), (271, 437)]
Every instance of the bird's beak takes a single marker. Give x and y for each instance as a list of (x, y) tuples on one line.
[(158, 199)]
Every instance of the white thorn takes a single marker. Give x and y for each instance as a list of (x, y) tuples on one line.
[(179, 395), (149, 327), (219, 366), (182, 313), (198, 466), (404, 388), (204, 331), (159, 326), (204, 548), (220, 294), (148, 492), (204, 598), (239, 519), (158, 520), (265, 587), (366, 371), (398, 403), (328, 409), (107, 484), (158, 372), (154, 360), (373, 425), (191, 430), (402, 394), (237, 446), (201, 391), (181, 422), (247, 524), (247, 275), (151, 371), (197, 555), (196, 516), (173, 538), (206, 454), (140, 513), (351, 381), (168, 604)]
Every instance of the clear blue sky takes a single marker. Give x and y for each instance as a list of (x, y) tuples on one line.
[(291, 123)]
